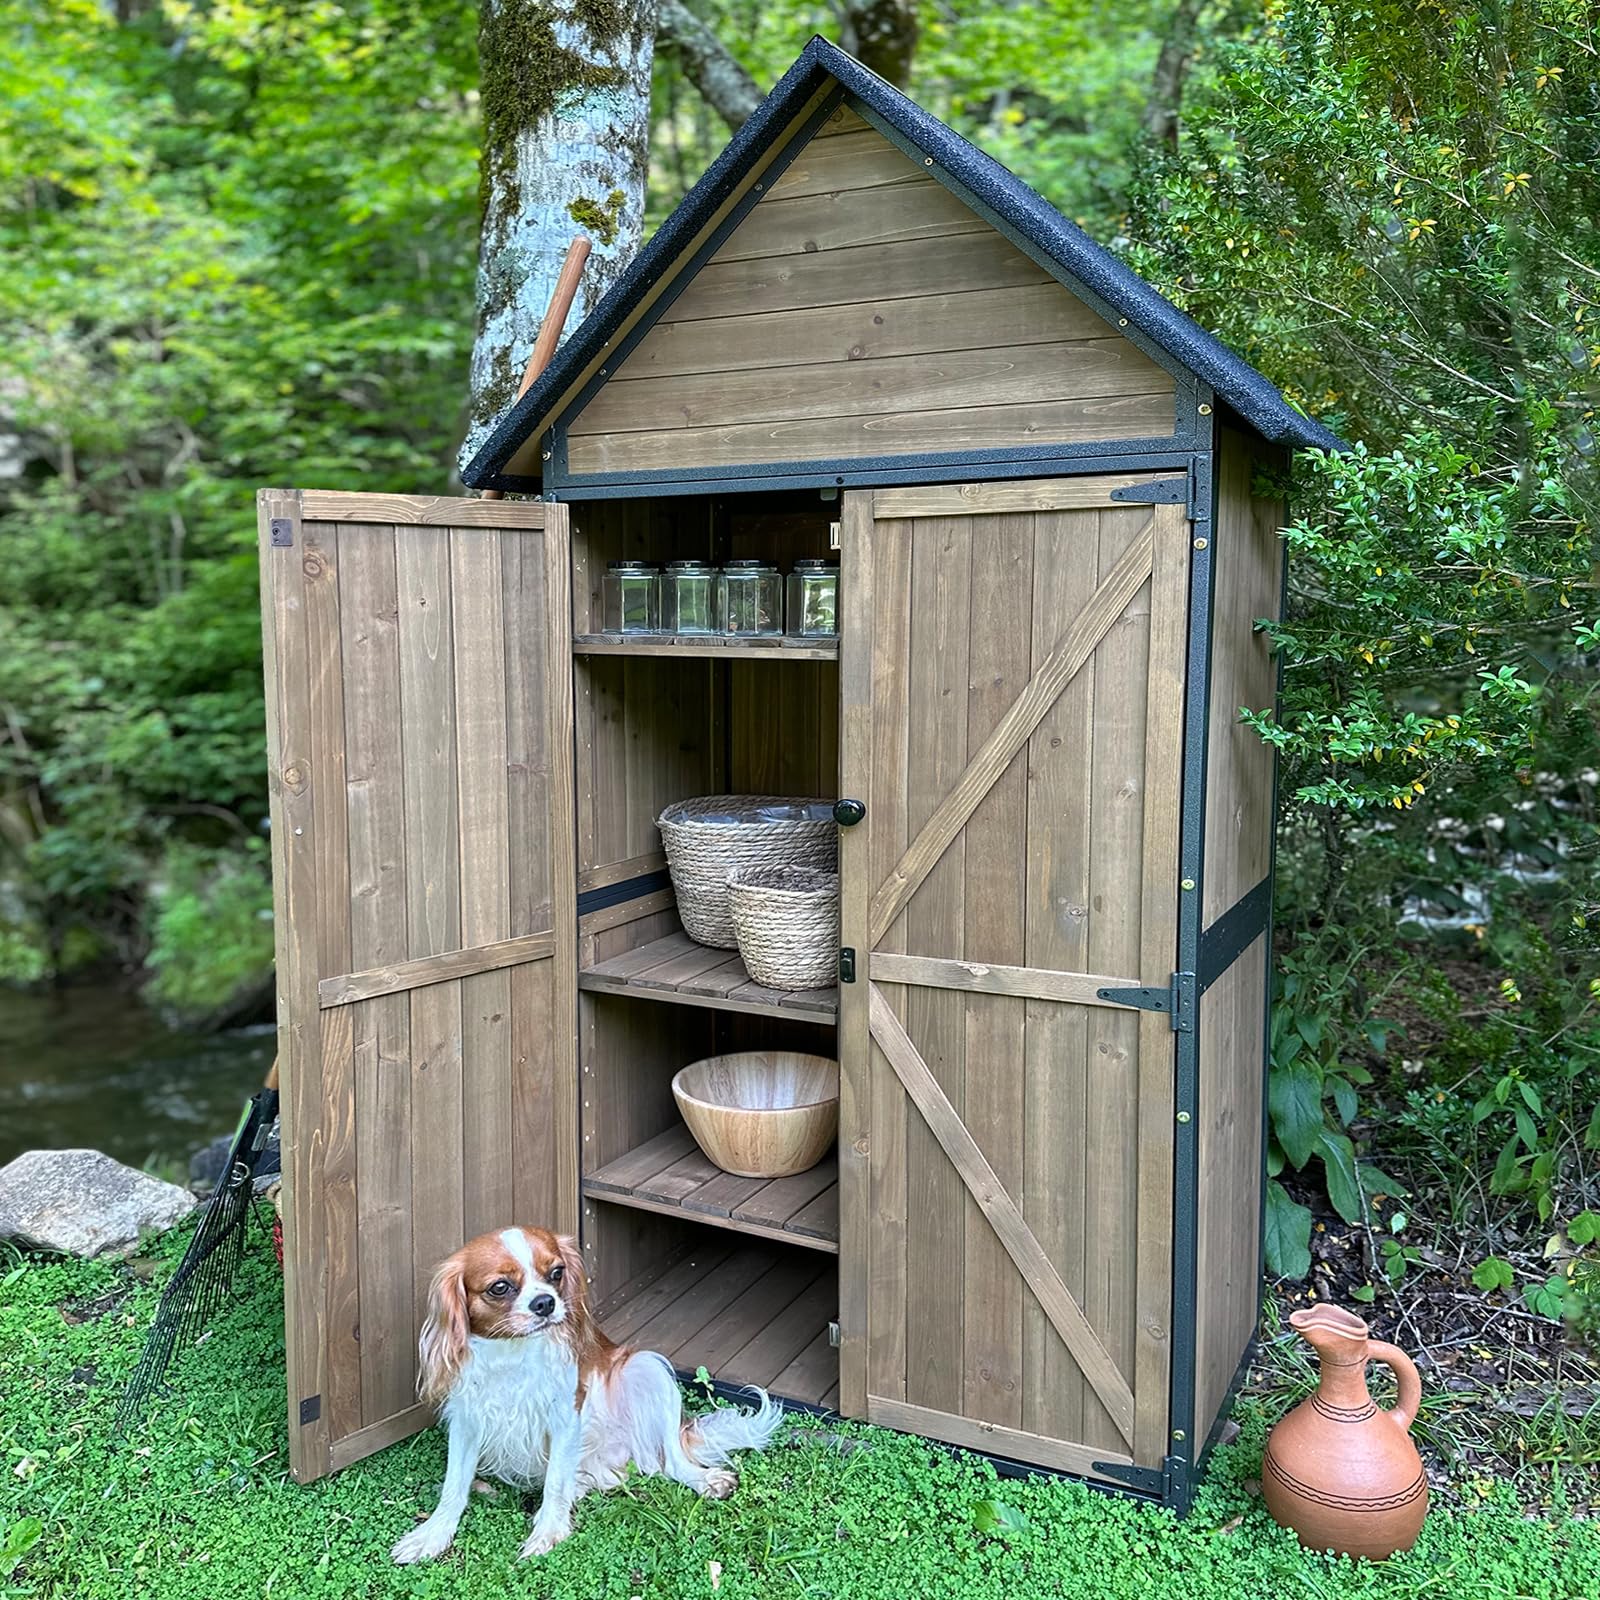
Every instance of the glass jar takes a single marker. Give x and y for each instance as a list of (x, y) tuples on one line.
[(752, 598), (689, 598), (813, 606), (630, 600)]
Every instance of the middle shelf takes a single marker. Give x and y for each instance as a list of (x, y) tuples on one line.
[(676, 968), (670, 1175)]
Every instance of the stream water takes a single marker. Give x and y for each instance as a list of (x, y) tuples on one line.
[(92, 1066)]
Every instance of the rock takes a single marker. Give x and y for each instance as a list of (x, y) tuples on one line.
[(207, 1164), (83, 1203)]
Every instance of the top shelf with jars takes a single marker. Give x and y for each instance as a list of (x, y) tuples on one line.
[(715, 646)]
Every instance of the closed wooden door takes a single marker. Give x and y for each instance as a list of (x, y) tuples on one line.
[(1012, 675), (419, 715)]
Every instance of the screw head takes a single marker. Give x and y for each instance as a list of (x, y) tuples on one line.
[(1188, 883), (927, 161), (1200, 544), (1183, 1116), (546, 455), (1178, 1436), (1205, 411)]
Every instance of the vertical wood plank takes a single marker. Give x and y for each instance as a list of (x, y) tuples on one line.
[(339, 1221), (437, 1179), (478, 609), (1158, 959), (382, 1064), (292, 790), (1066, 571), (887, 828), (427, 704), (563, 868), (342, 1399), (1115, 877), (995, 911), (533, 1128), (374, 787), (936, 1199), (857, 622)]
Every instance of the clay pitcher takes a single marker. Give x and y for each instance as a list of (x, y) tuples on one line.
[(1342, 1474)]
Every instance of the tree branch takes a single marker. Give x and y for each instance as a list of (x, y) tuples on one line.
[(1172, 66), (707, 63), (881, 34)]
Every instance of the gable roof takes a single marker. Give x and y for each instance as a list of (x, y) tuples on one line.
[(1234, 381)]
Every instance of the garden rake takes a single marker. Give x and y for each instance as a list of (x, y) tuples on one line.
[(206, 1272)]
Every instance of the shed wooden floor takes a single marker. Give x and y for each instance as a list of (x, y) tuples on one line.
[(747, 1313)]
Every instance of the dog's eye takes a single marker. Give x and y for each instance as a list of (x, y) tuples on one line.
[(499, 1289), (557, 1273)]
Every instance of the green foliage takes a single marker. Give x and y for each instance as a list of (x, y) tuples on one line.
[(197, 1501), (212, 929), (1393, 211)]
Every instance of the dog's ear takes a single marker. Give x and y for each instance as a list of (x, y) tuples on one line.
[(572, 1261), (443, 1345)]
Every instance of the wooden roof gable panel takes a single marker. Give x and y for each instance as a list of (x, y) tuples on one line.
[(963, 202), (860, 309)]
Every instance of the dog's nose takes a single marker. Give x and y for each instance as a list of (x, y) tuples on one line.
[(543, 1305)]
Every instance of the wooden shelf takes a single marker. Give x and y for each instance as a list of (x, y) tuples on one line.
[(753, 1313), (777, 647), (671, 1175), (677, 969)]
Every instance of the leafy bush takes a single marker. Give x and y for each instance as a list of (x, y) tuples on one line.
[(1395, 211), (211, 930)]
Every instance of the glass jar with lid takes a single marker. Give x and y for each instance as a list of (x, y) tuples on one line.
[(689, 597), (813, 607), (630, 599), (752, 598)]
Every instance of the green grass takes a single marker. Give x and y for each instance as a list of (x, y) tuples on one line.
[(198, 1502)]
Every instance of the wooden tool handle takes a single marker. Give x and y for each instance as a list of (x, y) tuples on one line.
[(555, 319), (272, 1075)]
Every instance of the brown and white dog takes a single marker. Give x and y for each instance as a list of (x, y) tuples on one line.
[(532, 1392)]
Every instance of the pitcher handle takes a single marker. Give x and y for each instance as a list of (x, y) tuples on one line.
[(1404, 1410)]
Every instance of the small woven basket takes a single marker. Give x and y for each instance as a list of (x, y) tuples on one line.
[(709, 837), (787, 920)]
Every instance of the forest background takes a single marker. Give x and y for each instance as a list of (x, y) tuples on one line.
[(240, 240)]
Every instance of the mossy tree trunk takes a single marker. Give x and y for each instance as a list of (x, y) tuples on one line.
[(566, 133)]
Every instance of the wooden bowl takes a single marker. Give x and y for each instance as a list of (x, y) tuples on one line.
[(761, 1113)]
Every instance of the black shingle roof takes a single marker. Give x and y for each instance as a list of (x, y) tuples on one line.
[(1256, 400)]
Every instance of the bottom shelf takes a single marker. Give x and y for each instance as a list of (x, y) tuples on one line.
[(747, 1314)]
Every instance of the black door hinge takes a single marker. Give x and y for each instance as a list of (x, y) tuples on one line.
[(281, 532), (310, 1409), (1161, 492), (847, 965), (1177, 1000)]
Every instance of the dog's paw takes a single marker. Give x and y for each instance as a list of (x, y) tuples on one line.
[(720, 1484), (425, 1541), (545, 1537)]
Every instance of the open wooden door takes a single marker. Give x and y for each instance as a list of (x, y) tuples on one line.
[(419, 717), (1012, 674)]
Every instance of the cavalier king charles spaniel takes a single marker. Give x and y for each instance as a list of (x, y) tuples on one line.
[(532, 1392)]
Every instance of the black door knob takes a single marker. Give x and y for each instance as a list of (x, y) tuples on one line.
[(847, 813)]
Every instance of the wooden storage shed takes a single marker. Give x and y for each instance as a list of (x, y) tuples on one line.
[(1041, 1234)]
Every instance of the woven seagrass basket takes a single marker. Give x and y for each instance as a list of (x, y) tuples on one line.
[(787, 920), (708, 837)]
